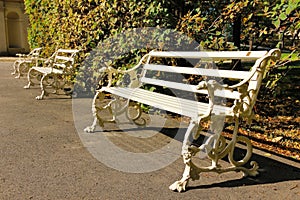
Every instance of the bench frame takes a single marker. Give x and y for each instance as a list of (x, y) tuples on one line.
[(55, 73), (22, 64), (244, 93)]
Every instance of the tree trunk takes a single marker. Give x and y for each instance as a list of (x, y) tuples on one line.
[(237, 39)]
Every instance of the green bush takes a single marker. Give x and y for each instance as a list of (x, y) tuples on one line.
[(88, 24), (82, 24)]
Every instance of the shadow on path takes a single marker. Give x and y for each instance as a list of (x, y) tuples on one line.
[(270, 171)]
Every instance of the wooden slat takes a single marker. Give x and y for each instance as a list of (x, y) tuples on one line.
[(169, 103), (66, 58), (67, 50), (164, 102), (59, 65), (214, 55), (199, 71), (190, 88), (48, 70)]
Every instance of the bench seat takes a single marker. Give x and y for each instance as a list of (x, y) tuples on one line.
[(47, 70), (186, 107)]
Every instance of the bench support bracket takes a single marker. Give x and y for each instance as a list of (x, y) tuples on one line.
[(116, 106), (219, 150)]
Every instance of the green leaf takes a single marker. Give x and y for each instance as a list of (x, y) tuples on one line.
[(276, 23), (282, 16), (218, 33), (152, 89), (288, 10), (266, 9)]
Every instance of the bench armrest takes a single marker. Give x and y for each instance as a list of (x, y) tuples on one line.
[(243, 105), (110, 72), (21, 55), (259, 66)]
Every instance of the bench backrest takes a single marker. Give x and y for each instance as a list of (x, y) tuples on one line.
[(32, 55), (35, 53), (64, 58), (245, 90)]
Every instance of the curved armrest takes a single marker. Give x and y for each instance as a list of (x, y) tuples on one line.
[(246, 97), (113, 70), (21, 55), (259, 66), (110, 71)]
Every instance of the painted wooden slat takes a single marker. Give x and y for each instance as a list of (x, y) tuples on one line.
[(67, 51), (199, 71), (47, 70), (59, 65), (66, 58), (215, 55), (177, 105), (190, 88)]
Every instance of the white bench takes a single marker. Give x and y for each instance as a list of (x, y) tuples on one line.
[(55, 74), (242, 95), (22, 64)]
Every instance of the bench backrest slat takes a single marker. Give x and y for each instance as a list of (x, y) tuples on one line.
[(198, 71), (70, 51), (207, 55), (189, 88), (35, 53), (64, 57)]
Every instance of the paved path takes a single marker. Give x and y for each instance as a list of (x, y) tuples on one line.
[(42, 157)]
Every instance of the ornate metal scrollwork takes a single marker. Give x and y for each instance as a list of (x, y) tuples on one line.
[(116, 105), (216, 146)]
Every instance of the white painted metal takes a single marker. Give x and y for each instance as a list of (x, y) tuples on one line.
[(199, 71), (190, 88), (62, 62), (25, 61), (244, 94), (211, 55), (186, 107)]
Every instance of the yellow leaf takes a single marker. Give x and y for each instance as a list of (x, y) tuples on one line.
[(277, 139)]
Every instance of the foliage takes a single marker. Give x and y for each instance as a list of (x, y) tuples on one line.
[(204, 23), (90, 24), (82, 24), (285, 16), (262, 23), (73, 24)]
